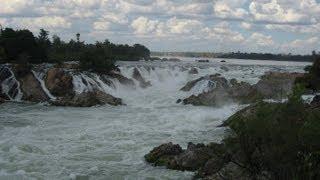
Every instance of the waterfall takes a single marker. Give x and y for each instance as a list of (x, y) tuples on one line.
[(40, 76), (89, 82), (11, 86)]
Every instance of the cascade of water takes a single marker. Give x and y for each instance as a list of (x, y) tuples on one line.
[(89, 82), (11, 86), (40, 76)]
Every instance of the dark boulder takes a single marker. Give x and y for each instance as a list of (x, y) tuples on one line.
[(164, 154), (88, 99), (315, 101)]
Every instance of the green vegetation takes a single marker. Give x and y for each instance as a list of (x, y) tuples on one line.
[(311, 79), (22, 47), (279, 140)]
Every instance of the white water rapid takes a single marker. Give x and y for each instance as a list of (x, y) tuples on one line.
[(106, 142)]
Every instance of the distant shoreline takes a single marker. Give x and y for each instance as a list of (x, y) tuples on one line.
[(239, 55)]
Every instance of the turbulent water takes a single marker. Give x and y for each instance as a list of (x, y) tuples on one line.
[(106, 142)]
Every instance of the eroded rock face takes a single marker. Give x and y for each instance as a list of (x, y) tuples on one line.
[(88, 99), (30, 86), (59, 82), (273, 85), (137, 76)]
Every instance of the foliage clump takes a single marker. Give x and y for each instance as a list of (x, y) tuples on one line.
[(311, 80), (22, 47), (281, 139)]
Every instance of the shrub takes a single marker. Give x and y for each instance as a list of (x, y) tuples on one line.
[(279, 138)]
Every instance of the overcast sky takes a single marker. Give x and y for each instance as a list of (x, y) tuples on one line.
[(278, 26)]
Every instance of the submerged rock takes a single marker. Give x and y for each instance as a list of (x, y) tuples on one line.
[(88, 99), (59, 82), (137, 76)]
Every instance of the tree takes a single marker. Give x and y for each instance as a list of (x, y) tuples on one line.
[(78, 37)]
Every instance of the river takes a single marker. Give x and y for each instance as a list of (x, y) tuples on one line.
[(105, 142)]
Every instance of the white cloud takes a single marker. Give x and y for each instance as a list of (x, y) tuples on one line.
[(259, 39), (212, 21)]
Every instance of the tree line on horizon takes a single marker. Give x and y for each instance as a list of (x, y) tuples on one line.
[(243, 55), (23, 47)]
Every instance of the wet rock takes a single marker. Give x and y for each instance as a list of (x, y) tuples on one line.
[(30, 86), (163, 155), (68, 65), (59, 82), (215, 78), (137, 76), (203, 60), (88, 99), (206, 159), (174, 60), (315, 101), (216, 97), (2, 100), (123, 80), (179, 101), (154, 59), (4, 73), (271, 86), (193, 71), (193, 158), (276, 85)]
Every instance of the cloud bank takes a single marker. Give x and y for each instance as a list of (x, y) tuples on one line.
[(278, 26)]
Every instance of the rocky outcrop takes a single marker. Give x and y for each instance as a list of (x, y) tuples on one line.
[(88, 99), (30, 86), (276, 85), (222, 92), (215, 78), (137, 76), (209, 161), (59, 82), (271, 86)]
